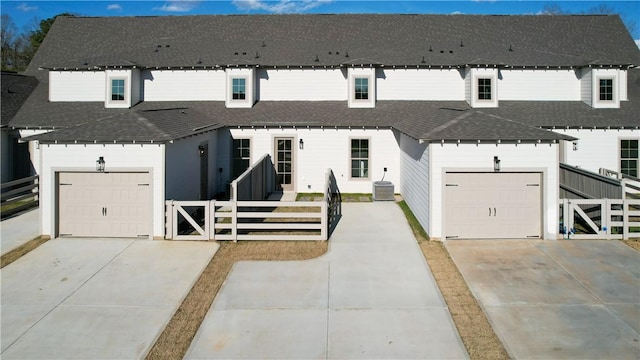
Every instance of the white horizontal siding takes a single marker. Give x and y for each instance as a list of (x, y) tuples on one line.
[(586, 84), (184, 85), (76, 86), (596, 148), (420, 84), (539, 85), (302, 84), (83, 158), (328, 148), (521, 158), (414, 178)]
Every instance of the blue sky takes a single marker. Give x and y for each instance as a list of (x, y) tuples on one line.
[(26, 14)]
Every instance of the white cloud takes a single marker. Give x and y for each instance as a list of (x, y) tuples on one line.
[(280, 6), (115, 7), (26, 8), (457, 13), (638, 43), (179, 6)]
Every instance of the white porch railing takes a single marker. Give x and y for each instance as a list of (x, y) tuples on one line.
[(600, 218)]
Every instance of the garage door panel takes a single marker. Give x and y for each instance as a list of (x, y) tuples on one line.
[(104, 204), (492, 205)]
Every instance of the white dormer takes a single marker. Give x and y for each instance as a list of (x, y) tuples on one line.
[(603, 88), (122, 88), (362, 87), (481, 87), (240, 85)]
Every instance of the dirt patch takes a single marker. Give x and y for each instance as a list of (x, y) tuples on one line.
[(472, 324), (21, 250), (633, 243), (174, 341)]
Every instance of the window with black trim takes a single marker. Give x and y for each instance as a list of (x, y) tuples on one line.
[(361, 88), (117, 90), (360, 158), (606, 90), (484, 89), (238, 89), (241, 155), (629, 157)]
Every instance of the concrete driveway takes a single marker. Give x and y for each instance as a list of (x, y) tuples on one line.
[(556, 299), (371, 296), (95, 298)]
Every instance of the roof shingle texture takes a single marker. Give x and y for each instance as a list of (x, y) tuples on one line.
[(280, 40)]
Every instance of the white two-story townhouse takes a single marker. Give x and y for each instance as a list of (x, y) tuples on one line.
[(468, 116)]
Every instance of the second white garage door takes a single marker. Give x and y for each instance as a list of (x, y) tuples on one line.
[(492, 205), (104, 204)]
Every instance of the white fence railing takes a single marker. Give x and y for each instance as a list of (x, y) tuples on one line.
[(255, 220), (600, 218), (246, 220)]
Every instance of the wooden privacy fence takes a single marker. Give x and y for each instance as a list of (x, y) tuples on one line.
[(254, 220), (19, 195), (600, 218)]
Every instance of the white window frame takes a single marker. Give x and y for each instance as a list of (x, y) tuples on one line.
[(613, 89), (620, 158), (233, 79), (475, 75), (354, 74), (233, 158), (127, 93), (368, 168), (491, 89)]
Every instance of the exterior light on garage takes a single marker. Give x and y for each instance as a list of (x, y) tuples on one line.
[(575, 146), (100, 164), (496, 164), (301, 144)]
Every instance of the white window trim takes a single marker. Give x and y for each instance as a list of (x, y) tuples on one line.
[(127, 91), (369, 159), (246, 86), (614, 90), (248, 75), (491, 89), (250, 138), (620, 139), (364, 73)]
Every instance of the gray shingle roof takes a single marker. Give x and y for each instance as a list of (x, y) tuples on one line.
[(280, 40), (16, 89)]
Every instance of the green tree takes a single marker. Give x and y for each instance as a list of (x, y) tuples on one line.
[(36, 37)]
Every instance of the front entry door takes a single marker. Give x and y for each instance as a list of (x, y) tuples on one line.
[(284, 163)]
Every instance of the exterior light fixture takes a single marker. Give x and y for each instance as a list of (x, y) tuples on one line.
[(301, 144), (575, 146), (496, 164), (201, 150), (100, 164)]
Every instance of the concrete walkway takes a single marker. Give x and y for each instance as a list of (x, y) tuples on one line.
[(556, 299), (371, 296), (19, 229), (95, 298)]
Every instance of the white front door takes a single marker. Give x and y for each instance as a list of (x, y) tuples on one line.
[(104, 204), (493, 205)]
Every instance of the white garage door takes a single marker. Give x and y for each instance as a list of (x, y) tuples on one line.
[(104, 204), (493, 205)]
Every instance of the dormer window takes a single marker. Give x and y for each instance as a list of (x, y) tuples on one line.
[(239, 89), (117, 89), (484, 88), (606, 90), (361, 88)]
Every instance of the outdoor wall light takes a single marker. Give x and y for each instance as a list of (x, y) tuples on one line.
[(301, 144), (100, 164), (496, 164), (201, 150), (575, 146)]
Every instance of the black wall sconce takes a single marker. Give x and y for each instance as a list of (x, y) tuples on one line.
[(100, 164), (201, 150), (496, 164), (301, 144)]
